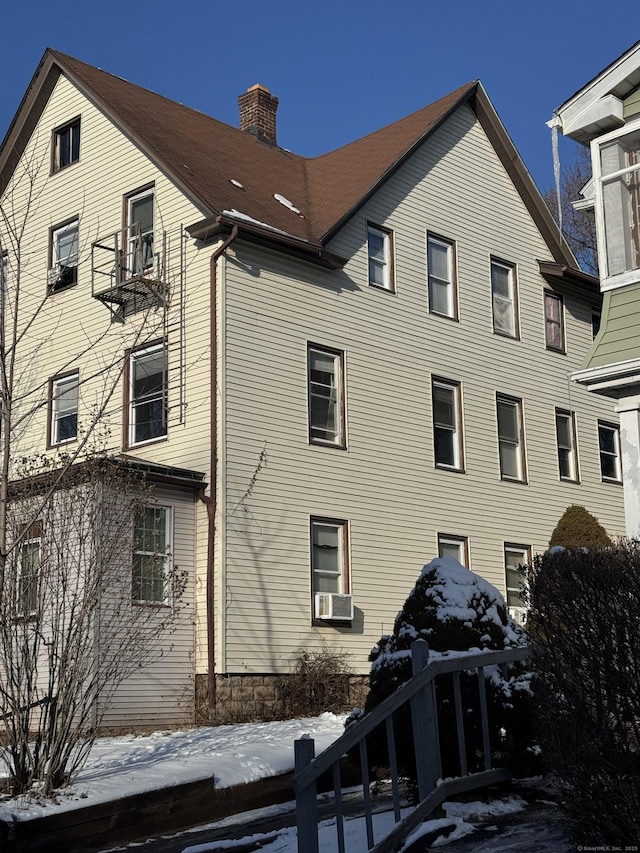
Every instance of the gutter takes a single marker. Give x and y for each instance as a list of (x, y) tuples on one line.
[(210, 501)]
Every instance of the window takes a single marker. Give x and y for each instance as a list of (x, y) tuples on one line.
[(151, 555), (28, 573), (4, 279), (380, 249), (66, 145), (510, 438), (566, 441), (596, 317), (447, 431), (514, 557), (617, 176), (140, 232), (148, 394), (63, 397), (64, 256), (442, 278), (609, 443), (504, 299), (326, 396), (330, 584), (554, 321), (457, 547)]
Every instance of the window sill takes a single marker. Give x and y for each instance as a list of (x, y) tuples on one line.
[(514, 480), (556, 349), (57, 171), (156, 605), (384, 289), (332, 623), (506, 335), (450, 469), (453, 317), (314, 442), (149, 441), (611, 480)]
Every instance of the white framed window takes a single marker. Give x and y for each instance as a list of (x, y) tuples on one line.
[(63, 397), (28, 577), (450, 545), (140, 257), (380, 254), (66, 145), (330, 581), (152, 539), (616, 171), (64, 256), (441, 270), (516, 556), (325, 379), (609, 446), (566, 443), (148, 394), (447, 424), (554, 321), (510, 438), (504, 298)]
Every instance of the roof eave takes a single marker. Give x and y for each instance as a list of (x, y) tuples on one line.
[(216, 226), (569, 275)]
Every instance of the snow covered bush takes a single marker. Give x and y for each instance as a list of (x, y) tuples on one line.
[(585, 617), (454, 610)]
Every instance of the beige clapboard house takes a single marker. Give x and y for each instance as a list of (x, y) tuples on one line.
[(350, 364)]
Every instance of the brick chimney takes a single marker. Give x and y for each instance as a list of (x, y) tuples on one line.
[(258, 113)]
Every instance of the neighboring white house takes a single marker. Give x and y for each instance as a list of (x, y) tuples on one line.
[(337, 367), (605, 114)]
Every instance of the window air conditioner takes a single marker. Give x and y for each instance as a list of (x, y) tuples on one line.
[(53, 275), (332, 605), (518, 614)]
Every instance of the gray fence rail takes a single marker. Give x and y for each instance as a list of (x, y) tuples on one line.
[(420, 694)]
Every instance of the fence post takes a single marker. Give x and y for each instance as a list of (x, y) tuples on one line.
[(424, 721), (306, 804)]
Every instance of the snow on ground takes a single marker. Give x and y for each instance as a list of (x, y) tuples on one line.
[(134, 764)]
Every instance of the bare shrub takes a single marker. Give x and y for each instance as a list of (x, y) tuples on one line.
[(319, 682)]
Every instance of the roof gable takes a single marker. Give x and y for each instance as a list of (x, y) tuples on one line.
[(234, 178)]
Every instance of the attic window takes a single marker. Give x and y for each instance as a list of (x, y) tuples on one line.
[(66, 145)]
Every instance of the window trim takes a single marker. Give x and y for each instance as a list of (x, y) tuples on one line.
[(462, 542), (570, 417), (389, 283), (615, 429), (452, 284), (51, 409), (609, 282), (524, 549), (458, 435), (32, 536), (55, 148), (513, 299), (53, 261), (337, 355), (517, 402), (344, 575), (129, 421), (167, 562), (550, 295), (135, 195)]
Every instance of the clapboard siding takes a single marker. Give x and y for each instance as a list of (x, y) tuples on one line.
[(385, 484)]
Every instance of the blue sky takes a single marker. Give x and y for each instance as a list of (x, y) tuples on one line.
[(340, 69)]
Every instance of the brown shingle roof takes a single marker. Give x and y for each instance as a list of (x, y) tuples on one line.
[(205, 157)]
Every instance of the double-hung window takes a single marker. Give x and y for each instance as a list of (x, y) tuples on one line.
[(380, 254), (450, 545), (609, 444), (566, 442), (325, 379), (63, 399), (148, 394), (616, 172), (441, 270), (151, 555), (554, 321), (447, 424), (516, 556), (504, 298), (140, 255), (64, 256), (330, 583), (66, 145), (28, 577), (510, 438)]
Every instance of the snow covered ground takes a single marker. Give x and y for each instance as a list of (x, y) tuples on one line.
[(131, 764)]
